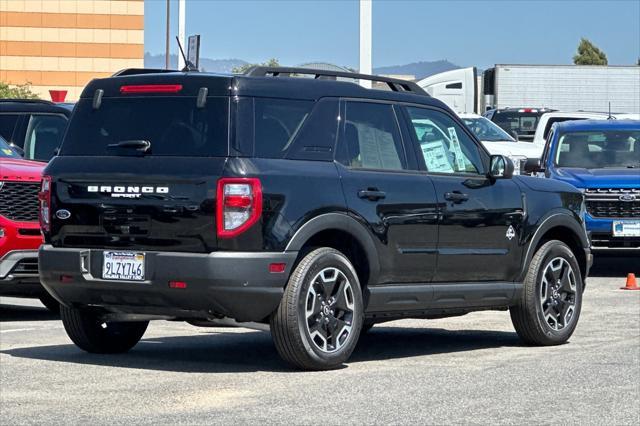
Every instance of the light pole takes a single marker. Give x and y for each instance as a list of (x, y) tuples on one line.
[(181, 30), (365, 41), (167, 51)]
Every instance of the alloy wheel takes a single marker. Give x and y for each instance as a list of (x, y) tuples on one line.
[(558, 293), (329, 310)]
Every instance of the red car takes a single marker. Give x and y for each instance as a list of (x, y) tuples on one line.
[(20, 235)]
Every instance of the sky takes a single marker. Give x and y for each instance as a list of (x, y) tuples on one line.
[(466, 32)]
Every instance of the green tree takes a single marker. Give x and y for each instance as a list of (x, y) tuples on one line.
[(589, 54), (273, 62), (20, 91)]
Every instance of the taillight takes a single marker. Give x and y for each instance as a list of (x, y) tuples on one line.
[(44, 196), (238, 205), (150, 88)]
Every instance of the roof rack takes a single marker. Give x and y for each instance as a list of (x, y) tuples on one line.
[(394, 84), (31, 101), (137, 71)]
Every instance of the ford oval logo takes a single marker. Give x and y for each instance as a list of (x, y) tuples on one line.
[(627, 197), (63, 214)]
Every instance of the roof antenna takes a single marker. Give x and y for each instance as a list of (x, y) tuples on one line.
[(610, 117), (188, 65)]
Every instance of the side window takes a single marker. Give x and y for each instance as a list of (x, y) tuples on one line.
[(277, 123), (7, 125), (372, 137), (317, 138), (445, 146), (43, 136)]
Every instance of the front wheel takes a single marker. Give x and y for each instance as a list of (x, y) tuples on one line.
[(92, 334), (317, 324), (550, 305)]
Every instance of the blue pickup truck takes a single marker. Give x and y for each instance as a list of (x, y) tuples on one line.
[(602, 158)]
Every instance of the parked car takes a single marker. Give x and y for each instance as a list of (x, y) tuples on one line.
[(20, 235), (499, 142), (550, 118), (602, 159), (314, 205), (520, 122), (34, 127)]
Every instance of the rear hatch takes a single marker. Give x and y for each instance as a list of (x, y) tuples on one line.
[(521, 121), (139, 164)]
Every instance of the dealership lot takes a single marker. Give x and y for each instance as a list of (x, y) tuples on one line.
[(457, 370)]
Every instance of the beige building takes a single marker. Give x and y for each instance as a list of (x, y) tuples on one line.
[(63, 44)]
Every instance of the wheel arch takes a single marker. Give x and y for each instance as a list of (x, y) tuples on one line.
[(344, 233), (562, 227)]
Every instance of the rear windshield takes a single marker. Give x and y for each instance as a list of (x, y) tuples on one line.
[(554, 120), (173, 126), (519, 122)]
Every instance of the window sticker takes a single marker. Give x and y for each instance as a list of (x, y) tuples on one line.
[(457, 150), (436, 157)]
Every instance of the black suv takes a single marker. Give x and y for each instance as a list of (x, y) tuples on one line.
[(34, 127), (520, 123), (311, 204)]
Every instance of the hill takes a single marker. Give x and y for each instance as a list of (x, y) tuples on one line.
[(419, 69)]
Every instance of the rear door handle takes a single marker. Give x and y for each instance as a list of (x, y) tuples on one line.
[(456, 197), (372, 194)]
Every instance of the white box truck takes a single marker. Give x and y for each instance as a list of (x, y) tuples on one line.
[(560, 87)]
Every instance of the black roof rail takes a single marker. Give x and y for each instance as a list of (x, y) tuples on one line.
[(32, 101), (136, 71), (394, 84)]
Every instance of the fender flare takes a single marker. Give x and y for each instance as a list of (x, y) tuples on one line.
[(341, 222), (551, 220)]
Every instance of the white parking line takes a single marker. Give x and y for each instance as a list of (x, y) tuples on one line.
[(18, 329), (51, 327)]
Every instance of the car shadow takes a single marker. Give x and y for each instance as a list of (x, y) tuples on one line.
[(26, 313), (614, 265), (224, 352)]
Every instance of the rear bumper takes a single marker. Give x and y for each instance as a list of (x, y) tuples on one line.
[(19, 274), (231, 284)]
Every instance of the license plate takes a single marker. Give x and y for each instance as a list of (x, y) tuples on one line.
[(626, 228), (125, 266)]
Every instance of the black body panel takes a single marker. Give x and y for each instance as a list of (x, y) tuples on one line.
[(183, 219)]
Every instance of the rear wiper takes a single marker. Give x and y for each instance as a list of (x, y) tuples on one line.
[(140, 145)]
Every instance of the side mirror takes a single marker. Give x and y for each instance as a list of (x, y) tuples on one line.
[(513, 134), (532, 165), (501, 167)]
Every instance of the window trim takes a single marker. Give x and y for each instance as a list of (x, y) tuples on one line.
[(484, 154), (411, 166)]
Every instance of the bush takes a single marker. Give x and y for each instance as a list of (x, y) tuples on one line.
[(19, 91)]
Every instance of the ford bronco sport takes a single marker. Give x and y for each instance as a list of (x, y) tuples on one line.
[(311, 204)]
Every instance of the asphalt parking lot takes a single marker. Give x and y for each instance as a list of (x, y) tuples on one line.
[(470, 369)]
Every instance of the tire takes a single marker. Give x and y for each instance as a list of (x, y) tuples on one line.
[(50, 303), (86, 330), (549, 308), (318, 321)]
